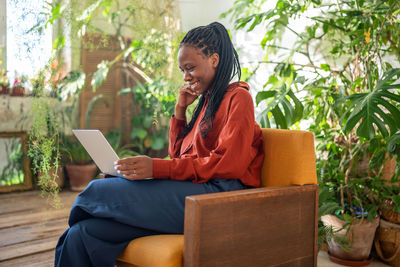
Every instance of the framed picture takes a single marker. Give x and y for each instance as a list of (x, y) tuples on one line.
[(15, 173)]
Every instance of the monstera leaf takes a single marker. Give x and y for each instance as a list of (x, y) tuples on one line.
[(284, 112), (378, 109), (101, 74), (71, 84)]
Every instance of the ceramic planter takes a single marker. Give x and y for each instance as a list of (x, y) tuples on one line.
[(361, 236), (80, 175)]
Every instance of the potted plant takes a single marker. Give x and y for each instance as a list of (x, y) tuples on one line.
[(80, 167), (333, 69), (44, 137), (43, 148), (4, 83), (349, 200), (18, 88)]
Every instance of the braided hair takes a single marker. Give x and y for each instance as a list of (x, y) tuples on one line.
[(210, 39)]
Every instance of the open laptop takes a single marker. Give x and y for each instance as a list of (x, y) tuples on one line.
[(99, 149)]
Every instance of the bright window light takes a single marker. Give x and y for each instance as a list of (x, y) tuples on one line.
[(27, 51)]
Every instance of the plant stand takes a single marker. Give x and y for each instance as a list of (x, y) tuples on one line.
[(361, 234)]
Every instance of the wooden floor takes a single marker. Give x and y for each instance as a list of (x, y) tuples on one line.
[(30, 228)]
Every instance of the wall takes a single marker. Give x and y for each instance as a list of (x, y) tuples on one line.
[(3, 30), (202, 12)]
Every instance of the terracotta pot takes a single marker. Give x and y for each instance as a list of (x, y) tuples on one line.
[(80, 175), (4, 90), (387, 242), (361, 236), (18, 91)]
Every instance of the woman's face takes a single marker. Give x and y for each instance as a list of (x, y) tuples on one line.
[(198, 69)]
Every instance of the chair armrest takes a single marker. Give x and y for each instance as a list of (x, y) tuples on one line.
[(254, 227)]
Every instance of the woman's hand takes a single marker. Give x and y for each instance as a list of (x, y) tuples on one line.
[(186, 96), (135, 168)]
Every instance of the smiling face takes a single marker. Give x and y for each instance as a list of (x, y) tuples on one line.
[(197, 68)]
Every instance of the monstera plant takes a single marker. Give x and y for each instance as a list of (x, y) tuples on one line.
[(334, 71)]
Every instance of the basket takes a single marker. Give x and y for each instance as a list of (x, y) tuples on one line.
[(388, 213), (387, 242)]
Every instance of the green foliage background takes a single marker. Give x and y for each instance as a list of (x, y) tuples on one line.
[(337, 74)]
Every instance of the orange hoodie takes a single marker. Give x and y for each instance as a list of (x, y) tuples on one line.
[(233, 149)]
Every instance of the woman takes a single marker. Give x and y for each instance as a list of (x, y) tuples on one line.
[(220, 149)]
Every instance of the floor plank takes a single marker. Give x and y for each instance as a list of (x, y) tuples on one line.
[(31, 232), (29, 248), (44, 215), (45, 259), (30, 228), (32, 202)]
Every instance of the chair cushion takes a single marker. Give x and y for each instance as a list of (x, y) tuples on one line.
[(289, 158), (156, 250)]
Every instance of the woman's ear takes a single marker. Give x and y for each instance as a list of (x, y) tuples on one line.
[(214, 58)]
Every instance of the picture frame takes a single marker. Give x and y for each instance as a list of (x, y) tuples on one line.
[(15, 172)]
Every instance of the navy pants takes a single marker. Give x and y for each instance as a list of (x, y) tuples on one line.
[(111, 212)]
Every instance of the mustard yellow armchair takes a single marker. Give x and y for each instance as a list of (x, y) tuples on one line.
[(275, 225)]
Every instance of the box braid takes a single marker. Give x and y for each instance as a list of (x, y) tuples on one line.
[(210, 39)]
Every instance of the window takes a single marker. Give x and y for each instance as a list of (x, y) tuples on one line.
[(26, 51)]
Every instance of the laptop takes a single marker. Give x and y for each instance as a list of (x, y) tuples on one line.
[(99, 150)]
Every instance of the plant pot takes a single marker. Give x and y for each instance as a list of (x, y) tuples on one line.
[(361, 236), (80, 175), (59, 179), (387, 242), (18, 91), (4, 90), (349, 262)]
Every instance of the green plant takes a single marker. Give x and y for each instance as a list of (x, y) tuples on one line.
[(4, 79), (43, 147), (336, 74), (123, 151), (74, 153), (147, 58), (48, 122), (12, 172), (155, 102), (20, 80)]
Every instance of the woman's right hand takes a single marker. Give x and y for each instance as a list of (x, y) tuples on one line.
[(186, 96)]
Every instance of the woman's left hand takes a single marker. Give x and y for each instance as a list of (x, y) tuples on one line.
[(135, 168)]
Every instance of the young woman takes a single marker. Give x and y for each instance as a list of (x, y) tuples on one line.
[(220, 149)]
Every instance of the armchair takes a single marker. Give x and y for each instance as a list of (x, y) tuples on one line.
[(275, 225)]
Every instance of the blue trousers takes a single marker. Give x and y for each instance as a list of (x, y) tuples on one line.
[(111, 212)]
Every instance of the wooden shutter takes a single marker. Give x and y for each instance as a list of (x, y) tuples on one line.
[(96, 48)]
